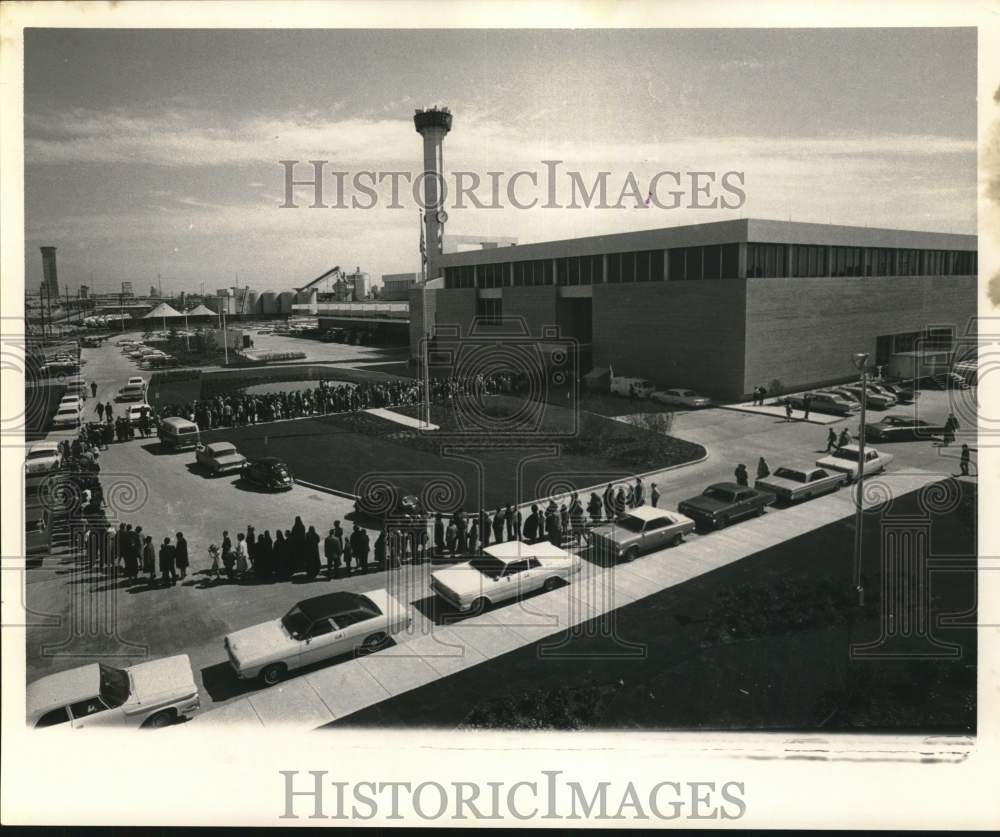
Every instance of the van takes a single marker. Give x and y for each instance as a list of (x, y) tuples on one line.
[(178, 433), (640, 387)]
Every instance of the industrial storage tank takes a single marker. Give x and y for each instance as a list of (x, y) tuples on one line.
[(285, 302), (269, 302), (250, 303)]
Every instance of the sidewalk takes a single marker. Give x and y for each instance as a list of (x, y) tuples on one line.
[(778, 409), (320, 697)]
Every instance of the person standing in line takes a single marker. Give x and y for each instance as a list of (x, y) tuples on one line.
[(182, 558), (438, 533), (380, 551), (552, 526), (741, 475), (298, 545), (498, 521), (252, 548), (355, 542), (365, 543), (638, 493), (462, 534), (262, 550), (450, 537), (213, 556), (509, 520), (806, 404), (763, 471), (654, 495), (280, 559), (831, 440), (595, 507), (530, 530), (348, 552), (331, 551), (620, 503), (609, 502), (167, 556), (149, 559), (788, 409), (228, 559), (312, 553), (563, 518), (242, 555)]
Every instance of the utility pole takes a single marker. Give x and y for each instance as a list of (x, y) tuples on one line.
[(861, 362)]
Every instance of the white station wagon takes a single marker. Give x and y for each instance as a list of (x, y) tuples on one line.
[(504, 571), (314, 630)]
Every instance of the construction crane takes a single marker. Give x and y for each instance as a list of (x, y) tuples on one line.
[(333, 272)]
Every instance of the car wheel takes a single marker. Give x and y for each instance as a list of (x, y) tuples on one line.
[(479, 606), (722, 522), (375, 642), (163, 718), (677, 540), (631, 554), (273, 674), (550, 584)]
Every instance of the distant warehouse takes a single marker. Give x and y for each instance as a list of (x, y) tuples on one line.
[(721, 307)]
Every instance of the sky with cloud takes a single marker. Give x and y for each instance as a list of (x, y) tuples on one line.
[(156, 152)]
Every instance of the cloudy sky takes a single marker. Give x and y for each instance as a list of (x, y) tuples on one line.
[(156, 152)]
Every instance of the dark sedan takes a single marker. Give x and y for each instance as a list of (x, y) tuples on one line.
[(901, 429), (269, 473), (724, 503)]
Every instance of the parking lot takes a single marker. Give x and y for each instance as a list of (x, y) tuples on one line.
[(169, 496)]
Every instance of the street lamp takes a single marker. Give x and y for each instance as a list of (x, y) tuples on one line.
[(860, 361)]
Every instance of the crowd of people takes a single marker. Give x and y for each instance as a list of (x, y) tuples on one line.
[(238, 409)]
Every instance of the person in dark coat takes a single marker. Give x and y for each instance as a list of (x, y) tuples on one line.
[(742, 476), (474, 534), (530, 530), (763, 471), (509, 520), (168, 556), (297, 548), (348, 553), (462, 534), (564, 518), (595, 507), (279, 557), (620, 503), (438, 532), (553, 528), (654, 495), (100, 411), (251, 540), (831, 440), (355, 542), (149, 559), (312, 553), (228, 559), (964, 459), (380, 550), (263, 567), (331, 551), (498, 519), (131, 561), (450, 537), (485, 527), (609, 502), (638, 493), (181, 555)]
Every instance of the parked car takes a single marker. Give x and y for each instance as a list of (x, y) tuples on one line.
[(681, 398), (131, 392), (136, 381), (876, 400), (268, 472), (74, 401), (504, 571), (642, 529), (638, 387), (795, 484), (178, 433), (314, 630), (902, 394), (68, 416), (42, 458), (135, 411), (725, 502), (219, 457), (900, 429), (846, 459), (824, 402), (37, 530), (150, 694)]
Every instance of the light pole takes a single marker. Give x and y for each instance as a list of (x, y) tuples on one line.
[(861, 363)]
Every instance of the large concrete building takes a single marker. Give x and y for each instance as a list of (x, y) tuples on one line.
[(721, 307)]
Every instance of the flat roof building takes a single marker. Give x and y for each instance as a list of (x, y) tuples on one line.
[(721, 307)]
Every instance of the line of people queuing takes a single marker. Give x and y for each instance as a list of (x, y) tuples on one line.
[(239, 409)]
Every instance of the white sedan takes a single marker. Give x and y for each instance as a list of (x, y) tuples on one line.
[(314, 630), (681, 398), (134, 412), (42, 458), (151, 694), (845, 459), (66, 416), (504, 571)]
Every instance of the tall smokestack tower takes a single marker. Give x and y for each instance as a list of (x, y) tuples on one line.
[(50, 280), (433, 125)]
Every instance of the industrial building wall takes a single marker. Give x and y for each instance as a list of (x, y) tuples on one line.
[(536, 306), (673, 333), (455, 309), (802, 332)]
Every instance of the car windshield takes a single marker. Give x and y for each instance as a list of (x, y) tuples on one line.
[(631, 524), (219, 450), (115, 686), (41, 454), (719, 494), (295, 622), (789, 474), (488, 566)]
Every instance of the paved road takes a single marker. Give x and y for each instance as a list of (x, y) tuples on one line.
[(194, 616)]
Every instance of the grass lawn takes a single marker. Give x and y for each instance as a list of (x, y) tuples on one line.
[(762, 644), (471, 469)]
